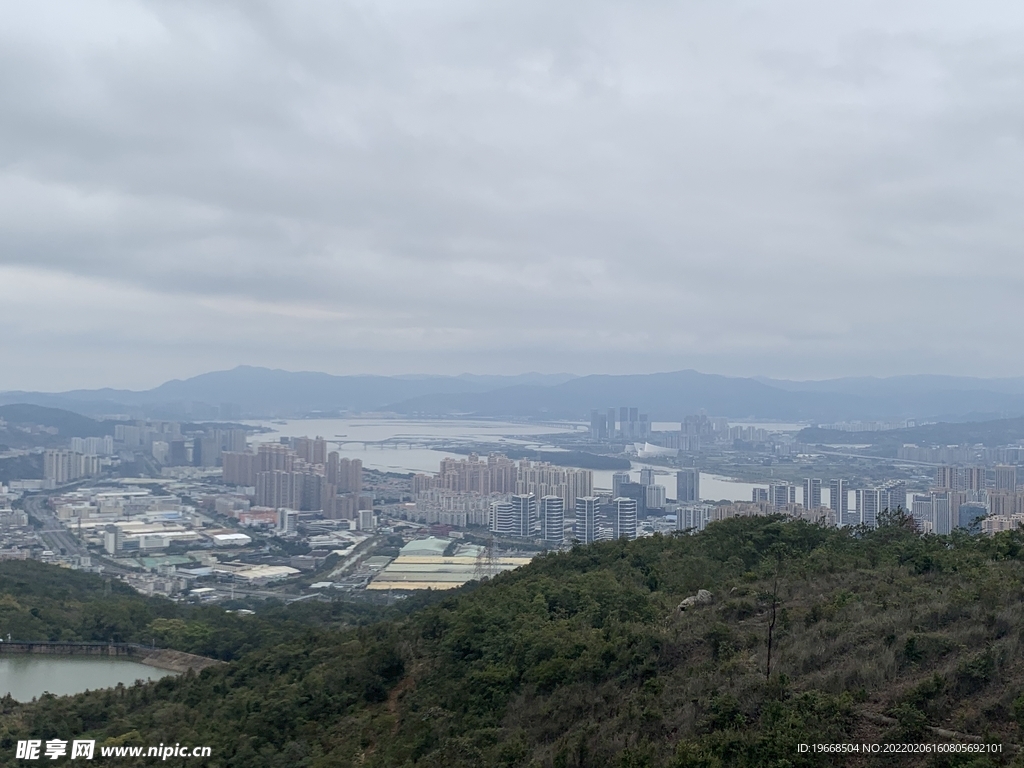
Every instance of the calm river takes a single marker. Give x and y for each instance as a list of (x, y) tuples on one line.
[(28, 676)]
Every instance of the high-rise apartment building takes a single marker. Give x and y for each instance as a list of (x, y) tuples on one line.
[(502, 520), (946, 477), (781, 494), (893, 496), (239, 468), (942, 513), (924, 511), (1005, 503), (61, 467), (552, 519), (496, 474), (656, 497), (345, 474), (693, 517), (544, 479), (206, 451), (340, 486), (587, 510), (96, 446), (178, 456), (637, 493), (812, 493), (960, 478), (1006, 478), (839, 499), (234, 440), (274, 457), (868, 505), (311, 450), (956, 500), (278, 489), (974, 479), (688, 485), (618, 480), (129, 435), (58, 468), (630, 423), (970, 515), (623, 518), (646, 476)]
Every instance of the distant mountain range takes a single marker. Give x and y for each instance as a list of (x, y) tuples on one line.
[(261, 392)]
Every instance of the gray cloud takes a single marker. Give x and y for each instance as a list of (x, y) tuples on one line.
[(792, 189)]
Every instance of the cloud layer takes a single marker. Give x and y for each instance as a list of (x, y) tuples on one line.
[(795, 189)]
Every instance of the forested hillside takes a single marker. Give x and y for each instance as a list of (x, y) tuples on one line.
[(583, 659), (44, 602)]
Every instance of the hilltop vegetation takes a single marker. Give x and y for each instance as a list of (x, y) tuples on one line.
[(582, 659)]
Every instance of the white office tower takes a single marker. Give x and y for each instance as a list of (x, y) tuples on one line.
[(502, 518), (688, 486), (812, 493), (623, 518), (839, 501), (587, 510), (552, 519), (655, 497), (647, 476), (524, 510)]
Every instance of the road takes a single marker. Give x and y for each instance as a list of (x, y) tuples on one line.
[(57, 537), (54, 535)]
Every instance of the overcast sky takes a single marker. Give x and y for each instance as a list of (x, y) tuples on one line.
[(794, 189)]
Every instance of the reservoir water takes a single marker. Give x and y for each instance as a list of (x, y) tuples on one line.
[(28, 676)]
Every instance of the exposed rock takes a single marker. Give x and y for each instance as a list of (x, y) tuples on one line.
[(703, 597)]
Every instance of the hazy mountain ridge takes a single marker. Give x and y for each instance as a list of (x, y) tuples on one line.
[(264, 392), (892, 385), (664, 396)]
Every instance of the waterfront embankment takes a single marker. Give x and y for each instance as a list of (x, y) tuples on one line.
[(162, 658)]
